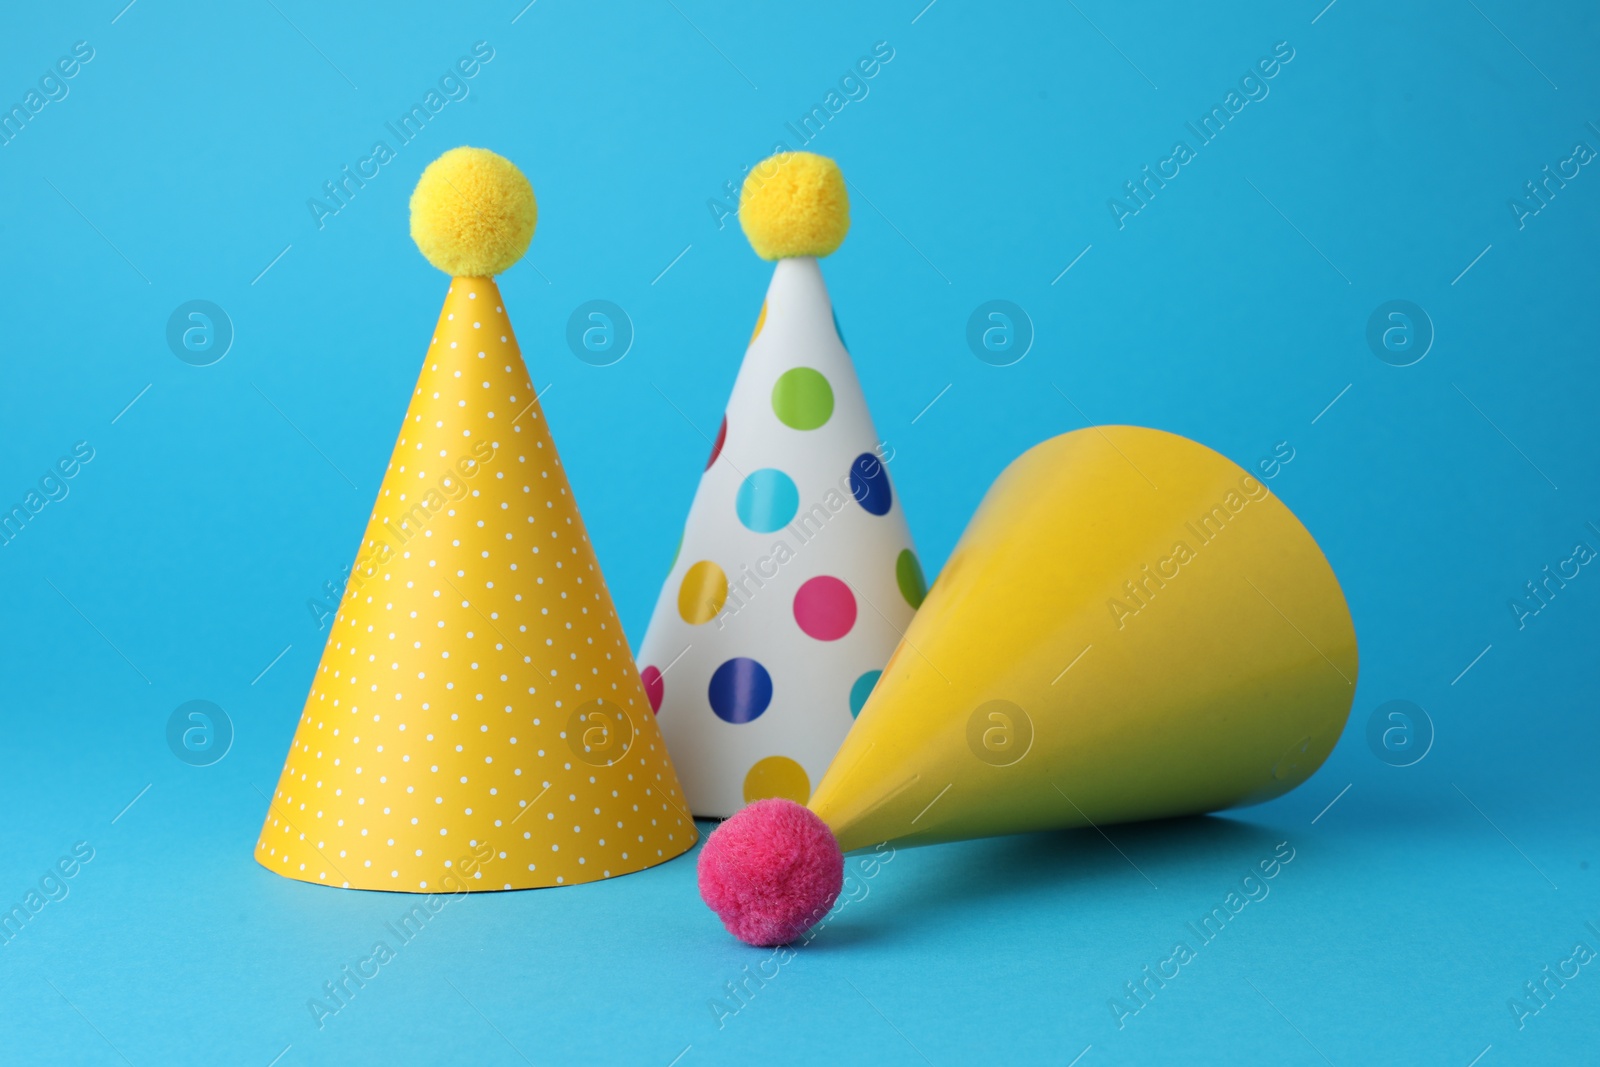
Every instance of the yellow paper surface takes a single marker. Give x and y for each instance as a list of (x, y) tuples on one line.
[(477, 720), (1073, 665)]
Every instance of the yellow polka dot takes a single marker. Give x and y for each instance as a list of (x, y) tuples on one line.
[(777, 776), (761, 320), (703, 592)]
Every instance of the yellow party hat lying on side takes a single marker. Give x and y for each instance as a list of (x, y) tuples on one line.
[(1132, 627), (477, 721)]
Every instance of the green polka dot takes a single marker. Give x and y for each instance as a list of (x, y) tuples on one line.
[(675, 552), (908, 574), (802, 399)]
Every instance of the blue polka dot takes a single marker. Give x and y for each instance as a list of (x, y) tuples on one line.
[(740, 690), (869, 484), (838, 331), (862, 690), (767, 500)]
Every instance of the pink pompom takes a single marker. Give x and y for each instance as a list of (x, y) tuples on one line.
[(771, 872)]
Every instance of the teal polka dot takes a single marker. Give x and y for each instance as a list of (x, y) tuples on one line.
[(861, 690), (767, 500)]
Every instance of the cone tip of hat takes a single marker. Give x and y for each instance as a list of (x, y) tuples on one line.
[(794, 204), (771, 872), (473, 213)]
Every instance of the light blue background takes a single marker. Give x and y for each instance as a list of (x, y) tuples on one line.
[(988, 147)]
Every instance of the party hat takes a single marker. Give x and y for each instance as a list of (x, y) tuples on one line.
[(796, 574), (1132, 627), (476, 721)]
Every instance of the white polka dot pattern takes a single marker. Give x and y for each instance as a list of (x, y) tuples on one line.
[(477, 720), (796, 575)]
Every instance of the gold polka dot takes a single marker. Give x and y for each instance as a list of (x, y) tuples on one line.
[(777, 776), (703, 592), (761, 320)]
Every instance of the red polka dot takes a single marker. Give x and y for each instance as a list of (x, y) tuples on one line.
[(716, 449), (825, 608), (655, 687)]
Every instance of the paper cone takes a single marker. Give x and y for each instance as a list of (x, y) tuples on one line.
[(476, 721), (796, 575), (1132, 627)]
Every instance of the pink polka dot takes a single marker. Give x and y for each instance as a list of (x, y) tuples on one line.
[(654, 687), (825, 608)]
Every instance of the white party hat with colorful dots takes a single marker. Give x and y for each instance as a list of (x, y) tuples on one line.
[(796, 575), (477, 721)]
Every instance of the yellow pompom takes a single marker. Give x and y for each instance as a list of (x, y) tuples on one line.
[(473, 213), (794, 204)]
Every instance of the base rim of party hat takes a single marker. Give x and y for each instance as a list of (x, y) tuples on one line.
[(609, 875)]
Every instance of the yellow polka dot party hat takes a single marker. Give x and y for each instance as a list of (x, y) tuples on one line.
[(477, 721), (796, 575)]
